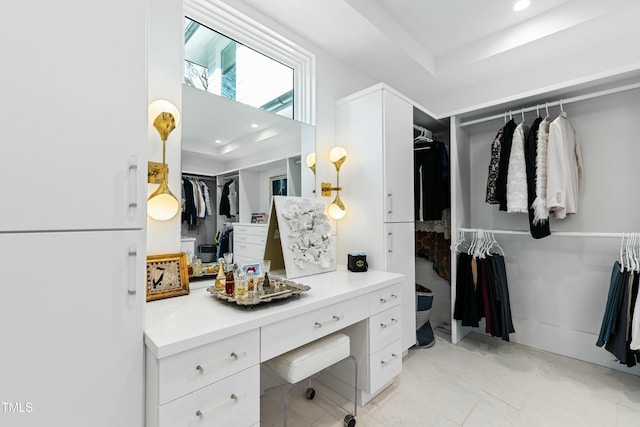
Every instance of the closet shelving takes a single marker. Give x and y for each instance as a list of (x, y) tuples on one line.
[(558, 284)]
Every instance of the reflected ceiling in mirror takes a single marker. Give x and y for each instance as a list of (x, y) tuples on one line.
[(224, 130)]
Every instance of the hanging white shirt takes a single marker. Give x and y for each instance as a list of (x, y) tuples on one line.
[(564, 168)]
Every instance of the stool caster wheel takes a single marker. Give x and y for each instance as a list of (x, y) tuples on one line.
[(349, 421), (311, 393)]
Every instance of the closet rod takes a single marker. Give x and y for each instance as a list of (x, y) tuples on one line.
[(557, 233), (556, 103), (196, 176)]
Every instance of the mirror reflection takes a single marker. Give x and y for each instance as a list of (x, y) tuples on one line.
[(239, 142)]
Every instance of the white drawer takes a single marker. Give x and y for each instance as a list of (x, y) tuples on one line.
[(234, 401), (279, 338), (248, 238), (256, 230), (384, 328), (248, 250), (385, 298), (385, 365), (191, 370)]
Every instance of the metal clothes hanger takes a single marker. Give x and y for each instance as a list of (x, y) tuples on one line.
[(547, 108), (621, 256)]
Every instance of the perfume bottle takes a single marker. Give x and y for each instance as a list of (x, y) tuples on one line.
[(220, 285), (241, 285), (229, 281)]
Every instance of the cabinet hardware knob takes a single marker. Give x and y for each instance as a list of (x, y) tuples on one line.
[(386, 362), (234, 398), (334, 318), (133, 182), (237, 356), (391, 322), (132, 268), (199, 369)]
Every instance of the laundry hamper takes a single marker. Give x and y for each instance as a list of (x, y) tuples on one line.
[(424, 333), (309, 360)]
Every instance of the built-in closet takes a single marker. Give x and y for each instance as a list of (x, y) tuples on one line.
[(558, 284), (432, 214), (376, 126), (200, 230)]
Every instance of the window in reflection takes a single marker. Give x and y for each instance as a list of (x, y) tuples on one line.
[(220, 65)]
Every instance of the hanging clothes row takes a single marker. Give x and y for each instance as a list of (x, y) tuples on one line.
[(620, 329), (431, 176), (481, 285), (224, 240), (229, 199), (536, 170), (196, 201)]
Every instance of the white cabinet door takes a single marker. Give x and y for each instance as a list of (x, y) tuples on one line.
[(71, 331), (400, 258), (74, 117), (398, 159)]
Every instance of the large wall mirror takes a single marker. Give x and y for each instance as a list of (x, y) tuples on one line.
[(237, 125)]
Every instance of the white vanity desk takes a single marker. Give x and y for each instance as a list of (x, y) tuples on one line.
[(203, 355)]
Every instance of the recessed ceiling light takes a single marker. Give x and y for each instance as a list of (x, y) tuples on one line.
[(218, 141), (521, 5), (253, 125)]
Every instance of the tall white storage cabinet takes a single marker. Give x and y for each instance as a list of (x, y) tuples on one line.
[(376, 128), (72, 227)]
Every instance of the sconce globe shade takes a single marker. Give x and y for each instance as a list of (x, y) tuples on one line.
[(163, 106), (336, 212), (337, 153), (162, 205), (311, 160)]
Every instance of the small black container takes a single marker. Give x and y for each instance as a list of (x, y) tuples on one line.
[(357, 262)]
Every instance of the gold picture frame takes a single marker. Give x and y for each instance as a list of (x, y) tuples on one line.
[(167, 276)]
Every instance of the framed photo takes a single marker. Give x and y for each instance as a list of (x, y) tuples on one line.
[(254, 267), (167, 276)]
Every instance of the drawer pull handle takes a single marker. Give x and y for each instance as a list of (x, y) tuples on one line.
[(384, 300), (232, 399), (391, 322), (333, 319), (389, 360), (234, 356)]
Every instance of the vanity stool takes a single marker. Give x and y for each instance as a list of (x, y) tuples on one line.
[(310, 359)]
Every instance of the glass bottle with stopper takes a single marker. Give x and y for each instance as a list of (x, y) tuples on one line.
[(220, 284)]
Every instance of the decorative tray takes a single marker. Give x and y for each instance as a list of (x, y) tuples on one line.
[(278, 289)]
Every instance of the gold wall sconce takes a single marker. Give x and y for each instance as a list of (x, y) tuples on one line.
[(162, 205), (336, 209), (311, 161)]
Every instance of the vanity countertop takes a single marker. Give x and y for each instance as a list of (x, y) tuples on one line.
[(177, 324)]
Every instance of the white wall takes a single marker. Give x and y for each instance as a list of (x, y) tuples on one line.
[(558, 285)]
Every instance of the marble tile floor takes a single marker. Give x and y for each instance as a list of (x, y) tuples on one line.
[(482, 381)]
